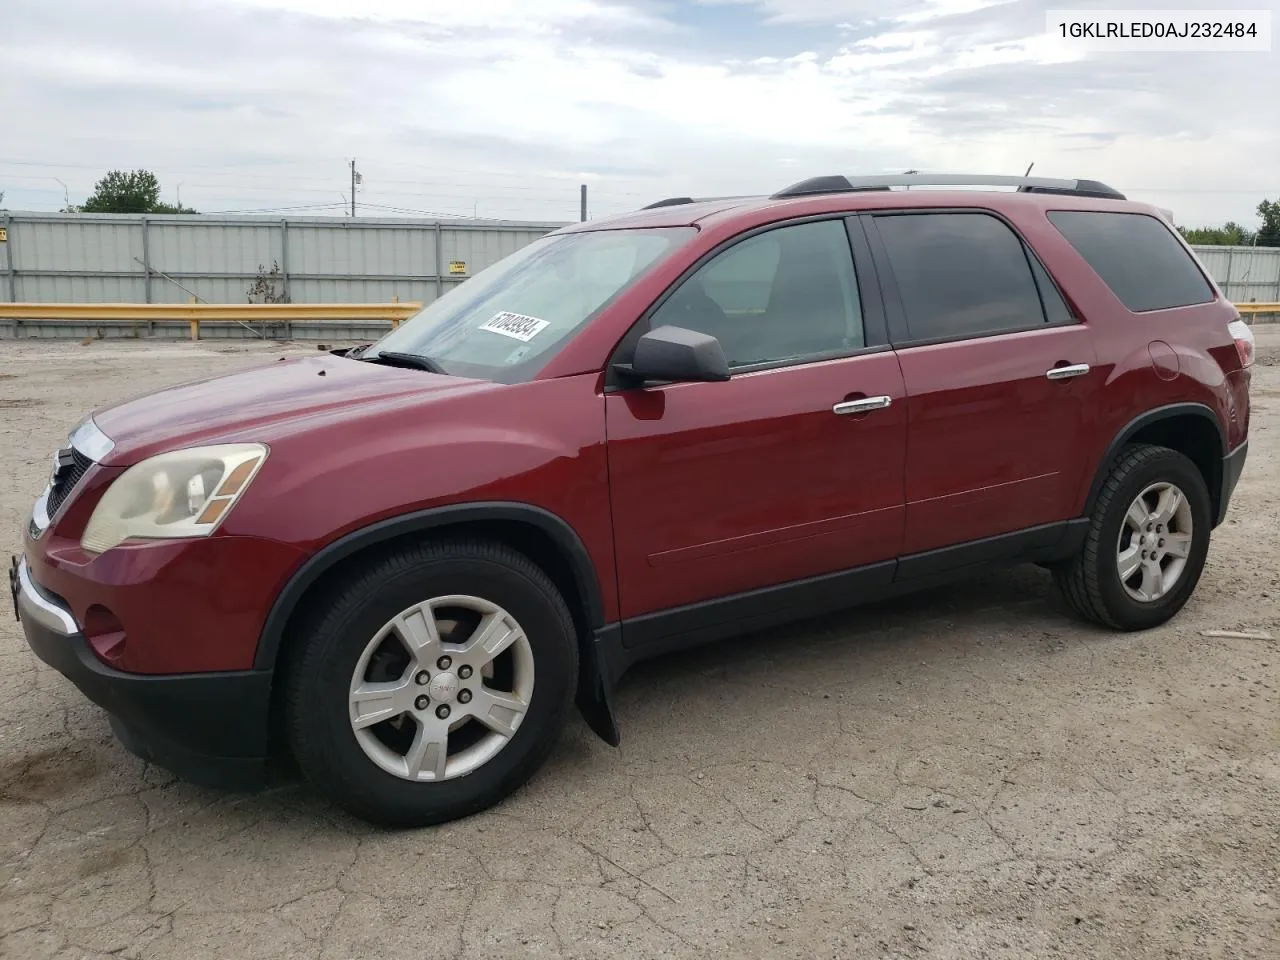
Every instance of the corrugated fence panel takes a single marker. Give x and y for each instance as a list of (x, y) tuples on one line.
[(480, 249), (340, 290), (216, 262), (356, 251), (88, 258), (78, 245), (88, 288), (81, 258), (1244, 273), (215, 248), (180, 288)]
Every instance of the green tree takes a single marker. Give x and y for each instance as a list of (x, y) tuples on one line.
[(1230, 234), (135, 191), (1269, 234)]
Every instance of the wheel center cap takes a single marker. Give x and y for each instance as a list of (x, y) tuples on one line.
[(443, 686)]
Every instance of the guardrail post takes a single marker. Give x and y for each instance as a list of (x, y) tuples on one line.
[(284, 259), (146, 262), (8, 262), (439, 260)]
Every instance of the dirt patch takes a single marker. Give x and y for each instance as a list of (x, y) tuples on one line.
[(48, 774)]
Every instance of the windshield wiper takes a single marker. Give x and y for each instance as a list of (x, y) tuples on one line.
[(413, 361)]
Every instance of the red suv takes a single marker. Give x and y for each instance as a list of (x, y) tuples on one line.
[(402, 563)]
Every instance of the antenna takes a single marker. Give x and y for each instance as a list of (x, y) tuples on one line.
[(1029, 166)]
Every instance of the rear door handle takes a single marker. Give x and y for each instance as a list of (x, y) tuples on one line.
[(1066, 373), (861, 406)]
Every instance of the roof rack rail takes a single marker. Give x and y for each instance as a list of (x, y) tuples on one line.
[(679, 201), (842, 184)]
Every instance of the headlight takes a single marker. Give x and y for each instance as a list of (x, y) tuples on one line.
[(180, 494)]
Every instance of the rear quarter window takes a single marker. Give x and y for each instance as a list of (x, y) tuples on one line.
[(1137, 256)]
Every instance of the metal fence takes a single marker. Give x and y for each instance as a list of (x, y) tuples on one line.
[(1245, 274), (113, 258)]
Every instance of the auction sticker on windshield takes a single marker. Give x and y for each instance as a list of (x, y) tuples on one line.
[(517, 326)]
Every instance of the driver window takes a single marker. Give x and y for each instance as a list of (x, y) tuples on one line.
[(787, 294)]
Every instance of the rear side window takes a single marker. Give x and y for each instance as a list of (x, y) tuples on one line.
[(1137, 257), (962, 275)]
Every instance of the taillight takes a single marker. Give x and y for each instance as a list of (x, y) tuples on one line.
[(1243, 337)]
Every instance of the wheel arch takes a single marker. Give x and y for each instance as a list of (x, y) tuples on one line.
[(544, 537), (1192, 429)]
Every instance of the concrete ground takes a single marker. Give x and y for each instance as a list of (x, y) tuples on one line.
[(969, 773)]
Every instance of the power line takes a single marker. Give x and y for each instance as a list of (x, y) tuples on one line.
[(233, 168), (309, 206), (454, 191)]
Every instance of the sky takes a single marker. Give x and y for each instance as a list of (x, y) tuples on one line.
[(501, 108)]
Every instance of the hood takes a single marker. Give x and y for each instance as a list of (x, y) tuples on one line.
[(256, 403)]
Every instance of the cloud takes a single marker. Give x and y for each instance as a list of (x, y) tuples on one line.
[(544, 16), (502, 107)]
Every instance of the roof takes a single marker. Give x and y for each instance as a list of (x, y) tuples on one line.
[(834, 193)]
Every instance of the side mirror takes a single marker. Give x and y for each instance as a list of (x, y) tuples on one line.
[(674, 354)]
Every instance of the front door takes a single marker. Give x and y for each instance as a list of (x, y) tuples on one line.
[(790, 469), (999, 375)]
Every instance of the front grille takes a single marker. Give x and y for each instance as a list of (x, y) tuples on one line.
[(65, 480)]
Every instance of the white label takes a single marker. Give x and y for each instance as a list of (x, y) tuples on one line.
[(515, 325), (1160, 31)]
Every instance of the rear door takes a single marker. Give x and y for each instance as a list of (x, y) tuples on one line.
[(779, 473), (999, 376)]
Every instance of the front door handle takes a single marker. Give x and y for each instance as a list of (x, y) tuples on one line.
[(1066, 373), (861, 406)]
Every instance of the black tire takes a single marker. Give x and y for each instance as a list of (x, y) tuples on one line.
[(327, 645), (1090, 581)]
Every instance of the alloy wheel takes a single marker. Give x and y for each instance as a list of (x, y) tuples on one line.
[(441, 688), (1155, 541)]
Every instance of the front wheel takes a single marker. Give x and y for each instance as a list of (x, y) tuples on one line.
[(1146, 545), (432, 684)]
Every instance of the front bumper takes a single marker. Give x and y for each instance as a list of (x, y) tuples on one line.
[(209, 728)]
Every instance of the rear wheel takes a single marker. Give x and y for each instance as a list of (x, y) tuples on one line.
[(1146, 545), (433, 683)]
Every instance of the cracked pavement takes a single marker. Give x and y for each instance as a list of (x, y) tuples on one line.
[(966, 773)]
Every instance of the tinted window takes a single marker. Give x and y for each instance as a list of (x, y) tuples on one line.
[(960, 274), (1137, 257), (786, 294)]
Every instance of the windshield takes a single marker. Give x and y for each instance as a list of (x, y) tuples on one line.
[(508, 320)]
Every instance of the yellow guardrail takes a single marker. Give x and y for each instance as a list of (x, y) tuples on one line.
[(195, 313), (250, 313)]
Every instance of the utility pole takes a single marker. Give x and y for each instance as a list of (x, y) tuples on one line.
[(584, 202), (356, 177)]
